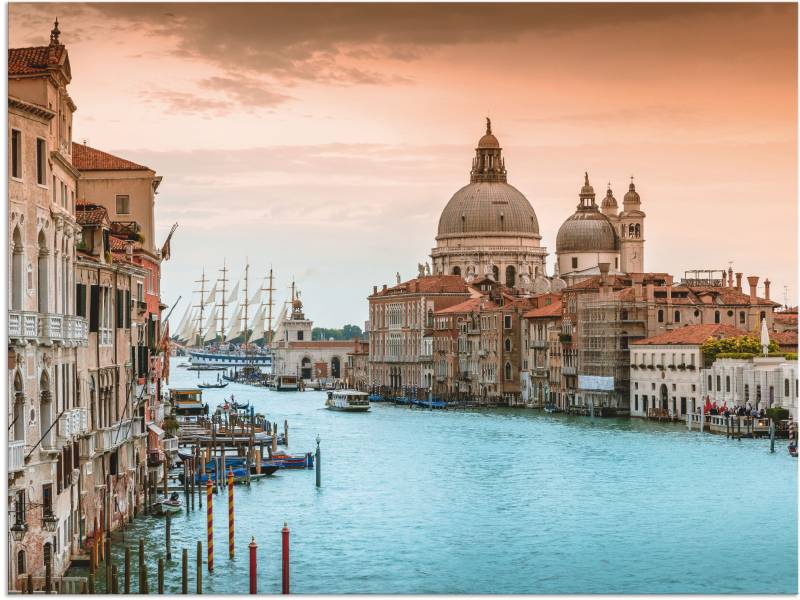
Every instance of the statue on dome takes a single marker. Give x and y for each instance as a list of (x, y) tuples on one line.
[(420, 270), (398, 277), (428, 269)]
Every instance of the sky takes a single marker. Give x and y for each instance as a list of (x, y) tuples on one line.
[(325, 140)]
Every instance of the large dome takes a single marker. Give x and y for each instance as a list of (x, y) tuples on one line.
[(488, 207), (587, 231)]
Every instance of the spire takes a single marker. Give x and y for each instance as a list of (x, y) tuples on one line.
[(54, 33), (609, 203), (632, 197), (587, 194)]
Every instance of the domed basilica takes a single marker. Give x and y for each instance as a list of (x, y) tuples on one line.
[(489, 229)]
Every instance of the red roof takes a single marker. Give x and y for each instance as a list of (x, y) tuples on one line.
[(116, 244), (790, 317), (432, 284), (551, 310), (86, 158), (468, 306), (784, 338), (324, 344), (691, 335), (34, 60), (90, 214)]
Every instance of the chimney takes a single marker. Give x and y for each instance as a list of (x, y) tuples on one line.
[(384, 287), (651, 297), (738, 282), (766, 288), (637, 285), (374, 289), (752, 281), (604, 266), (730, 277)]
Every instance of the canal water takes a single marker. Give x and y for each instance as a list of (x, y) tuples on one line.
[(500, 501)]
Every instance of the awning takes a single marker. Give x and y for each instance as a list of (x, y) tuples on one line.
[(156, 429)]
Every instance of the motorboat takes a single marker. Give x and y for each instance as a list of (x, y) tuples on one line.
[(292, 461), (170, 505), (285, 383), (347, 401)]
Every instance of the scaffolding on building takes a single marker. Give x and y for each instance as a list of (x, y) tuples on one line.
[(605, 328)]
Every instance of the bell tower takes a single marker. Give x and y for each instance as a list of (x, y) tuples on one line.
[(631, 224)]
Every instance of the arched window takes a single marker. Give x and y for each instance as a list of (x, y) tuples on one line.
[(335, 367), (456, 270), (677, 316), (762, 316), (631, 230), (511, 275), (786, 388), (495, 272), (624, 314), (638, 231), (742, 317), (42, 274), (710, 386), (746, 393), (507, 345), (17, 258), (508, 371), (622, 230), (716, 316), (21, 562), (660, 315)]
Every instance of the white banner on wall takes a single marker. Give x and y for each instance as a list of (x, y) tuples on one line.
[(593, 382)]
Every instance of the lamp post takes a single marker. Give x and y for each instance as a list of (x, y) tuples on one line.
[(50, 522), (18, 531)]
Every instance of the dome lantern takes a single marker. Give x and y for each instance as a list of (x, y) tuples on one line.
[(488, 164)]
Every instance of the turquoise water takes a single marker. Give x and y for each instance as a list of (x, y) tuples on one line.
[(506, 501)]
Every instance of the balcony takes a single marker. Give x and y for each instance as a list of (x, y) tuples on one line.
[(541, 372), (171, 444), (16, 455), (87, 447), (569, 370), (47, 329), (539, 343)]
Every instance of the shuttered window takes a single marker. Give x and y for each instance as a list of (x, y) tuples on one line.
[(94, 308)]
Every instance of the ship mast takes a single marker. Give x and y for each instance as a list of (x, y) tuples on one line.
[(246, 303), (202, 281), (270, 303), (224, 280)]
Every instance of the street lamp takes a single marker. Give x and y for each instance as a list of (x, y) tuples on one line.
[(18, 531), (50, 522)]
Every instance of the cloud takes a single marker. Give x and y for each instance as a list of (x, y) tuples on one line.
[(245, 91)]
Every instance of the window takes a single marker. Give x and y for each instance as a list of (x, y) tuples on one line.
[(574, 262), (716, 316), (677, 316), (511, 276), (41, 165), (508, 371), (710, 386), (508, 345), (742, 317), (300, 336), (719, 383), (616, 263), (507, 321), (636, 402), (746, 393), (140, 291), (660, 315), (16, 154), (786, 388), (727, 383), (123, 205)]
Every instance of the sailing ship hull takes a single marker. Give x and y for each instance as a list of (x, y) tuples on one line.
[(230, 361)]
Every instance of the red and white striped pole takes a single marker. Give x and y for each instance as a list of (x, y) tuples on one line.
[(230, 513), (285, 536), (209, 505), (253, 577)]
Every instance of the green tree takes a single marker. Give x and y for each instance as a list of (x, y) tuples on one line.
[(744, 344)]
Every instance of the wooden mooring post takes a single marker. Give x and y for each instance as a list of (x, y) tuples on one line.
[(141, 565), (127, 575), (114, 580), (161, 576), (168, 521), (185, 572), (199, 567), (145, 585)]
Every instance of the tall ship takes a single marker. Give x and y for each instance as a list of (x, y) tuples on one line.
[(229, 329)]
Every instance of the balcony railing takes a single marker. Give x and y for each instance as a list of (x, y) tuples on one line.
[(16, 455), (47, 329), (87, 446), (569, 370), (171, 444), (539, 343)]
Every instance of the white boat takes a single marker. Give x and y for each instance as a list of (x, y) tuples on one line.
[(347, 401), (284, 383), (170, 505)]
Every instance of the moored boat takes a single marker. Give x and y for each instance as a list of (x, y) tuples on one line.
[(170, 505), (347, 401), (292, 461), (285, 383), (206, 386)]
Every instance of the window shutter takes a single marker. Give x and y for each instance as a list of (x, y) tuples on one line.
[(80, 300), (128, 308), (94, 308), (120, 309)]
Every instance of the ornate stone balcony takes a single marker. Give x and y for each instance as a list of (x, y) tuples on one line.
[(16, 455), (29, 327)]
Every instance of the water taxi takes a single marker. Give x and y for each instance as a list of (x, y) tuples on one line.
[(347, 401), (284, 383)]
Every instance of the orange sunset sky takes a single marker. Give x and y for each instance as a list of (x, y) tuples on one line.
[(326, 139)]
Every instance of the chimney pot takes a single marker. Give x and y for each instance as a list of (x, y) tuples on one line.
[(384, 287), (752, 281), (766, 288), (374, 289), (739, 282)]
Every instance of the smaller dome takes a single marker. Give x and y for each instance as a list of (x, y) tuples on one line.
[(632, 197), (609, 201), (587, 231)]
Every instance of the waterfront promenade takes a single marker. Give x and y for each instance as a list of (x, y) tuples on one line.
[(505, 501)]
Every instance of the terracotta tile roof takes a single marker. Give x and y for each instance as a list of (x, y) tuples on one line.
[(33, 60), (691, 335), (91, 214), (788, 317), (473, 304), (785, 339), (433, 284), (86, 158), (550, 310), (116, 244)]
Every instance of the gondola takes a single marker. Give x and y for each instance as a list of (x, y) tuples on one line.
[(206, 386), (793, 450)]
